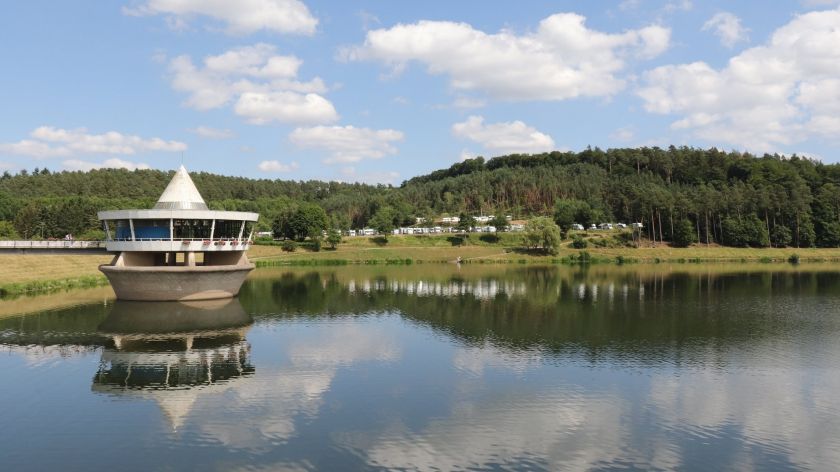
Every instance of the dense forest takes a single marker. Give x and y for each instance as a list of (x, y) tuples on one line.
[(680, 194)]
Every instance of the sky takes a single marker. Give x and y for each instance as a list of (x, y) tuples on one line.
[(380, 91)]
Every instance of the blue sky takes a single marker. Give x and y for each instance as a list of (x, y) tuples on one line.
[(380, 91)]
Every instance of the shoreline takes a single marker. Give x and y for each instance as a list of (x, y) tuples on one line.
[(35, 274)]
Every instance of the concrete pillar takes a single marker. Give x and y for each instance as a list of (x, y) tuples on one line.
[(189, 259)]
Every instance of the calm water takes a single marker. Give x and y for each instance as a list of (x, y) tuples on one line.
[(434, 368)]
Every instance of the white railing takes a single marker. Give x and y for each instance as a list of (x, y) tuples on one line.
[(205, 241), (52, 244)]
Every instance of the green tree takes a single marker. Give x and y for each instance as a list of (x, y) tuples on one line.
[(383, 220), (499, 222), (780, 236), (307, 220), (569, 211), (465, 222), (28, 220), (542, 233), (7, 231), (333, 238), (684, 234)]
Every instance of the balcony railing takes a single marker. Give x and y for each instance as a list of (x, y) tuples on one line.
[(63, 244), (204, 241)]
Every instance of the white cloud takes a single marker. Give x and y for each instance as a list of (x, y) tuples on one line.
[(678, 5), (57, 142), (379, 177), (505, 138), (728, 28), (114, 163), (623, 134), (285, 107), (347, 143), (469, 102), (213, 133), (466, 154), (629, 5), (31, 148), (562, 59), (277, 166), (240, 17), (776, 94), (262, 84)]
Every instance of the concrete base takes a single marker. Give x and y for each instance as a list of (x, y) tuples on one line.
[(178, 283)]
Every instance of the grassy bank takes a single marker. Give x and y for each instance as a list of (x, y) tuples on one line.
[(507, 250), (35, 273)]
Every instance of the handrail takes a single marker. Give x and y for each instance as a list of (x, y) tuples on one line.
[(62, 244)]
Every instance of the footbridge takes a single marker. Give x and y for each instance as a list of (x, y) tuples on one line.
[(52, 247)]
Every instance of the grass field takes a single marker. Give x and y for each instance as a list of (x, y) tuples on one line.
[(40, 273), (440, 248)]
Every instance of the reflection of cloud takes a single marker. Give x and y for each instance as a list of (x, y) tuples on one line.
[(556, 427), (268, 404), (783, 409), (475, 359)]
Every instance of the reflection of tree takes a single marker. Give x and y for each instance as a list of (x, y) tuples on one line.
[(655, 317)]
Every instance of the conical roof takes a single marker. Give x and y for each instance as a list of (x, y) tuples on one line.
[(181, 194)]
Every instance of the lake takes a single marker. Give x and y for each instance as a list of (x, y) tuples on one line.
[(435, 367)]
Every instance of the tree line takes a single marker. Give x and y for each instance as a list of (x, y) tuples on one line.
[(681, 195)]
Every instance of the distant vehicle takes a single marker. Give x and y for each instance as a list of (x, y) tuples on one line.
[(592, 227), (368, 232), (637, 225), (350, 232), (621, 225), (577, 227)]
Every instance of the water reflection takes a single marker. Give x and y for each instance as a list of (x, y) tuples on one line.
[(173, 353), (518, 368)]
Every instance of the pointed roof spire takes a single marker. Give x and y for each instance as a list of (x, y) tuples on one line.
[(181, 194)]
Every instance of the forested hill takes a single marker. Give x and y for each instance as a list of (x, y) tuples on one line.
[(731, 198)]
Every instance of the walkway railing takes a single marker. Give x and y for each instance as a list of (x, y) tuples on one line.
[(52, 244)]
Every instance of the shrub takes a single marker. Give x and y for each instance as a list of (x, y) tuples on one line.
[(289, 245), (748, 231), (684, 234), (578, 242), (781, 236)]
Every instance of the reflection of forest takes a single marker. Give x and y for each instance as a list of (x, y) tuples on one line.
[(591, 312)]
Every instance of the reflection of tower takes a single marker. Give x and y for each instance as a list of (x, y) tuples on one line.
[(174, 353)]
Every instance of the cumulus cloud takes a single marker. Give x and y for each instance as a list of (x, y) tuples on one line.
[(76, 164), (347, 143), (213, 133), (49, 142), (277, 166), (562, 59), (727, 27), (261, 84), (468, 102), (504, 138), (377, 177), (239, 17), (775, 94), (623, 134)]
